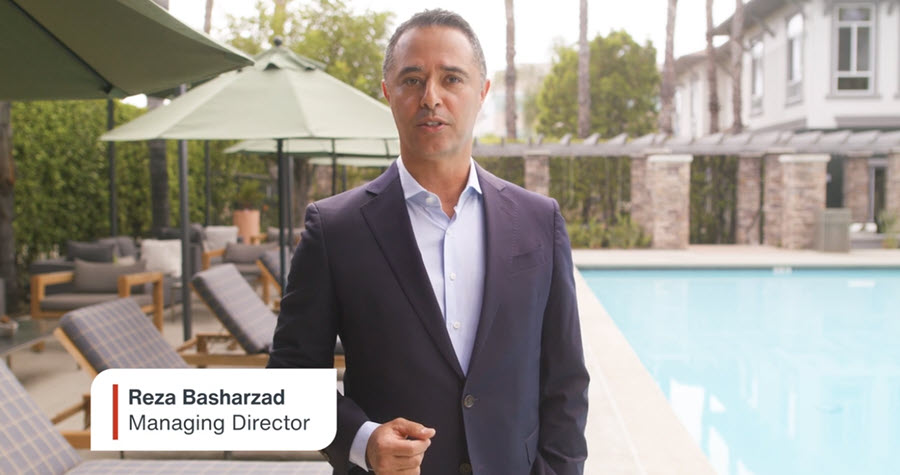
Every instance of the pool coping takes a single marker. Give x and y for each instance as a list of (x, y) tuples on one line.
[(631, 427)]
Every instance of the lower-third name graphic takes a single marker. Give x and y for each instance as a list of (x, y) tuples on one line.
[(215, 425)]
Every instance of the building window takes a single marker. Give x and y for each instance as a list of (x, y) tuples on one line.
[(756, 76), (855, 49), (795, 58)]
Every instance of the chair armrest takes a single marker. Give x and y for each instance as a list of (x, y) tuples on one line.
[(209, 255), (258, 238), (128, 280), (39, 285)]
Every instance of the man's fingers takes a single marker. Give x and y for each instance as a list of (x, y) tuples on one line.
[(411, 429)]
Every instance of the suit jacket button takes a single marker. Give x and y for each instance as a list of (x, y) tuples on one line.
[(469, 401), (465, 468)]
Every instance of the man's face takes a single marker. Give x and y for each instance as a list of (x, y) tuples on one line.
[(435, 90)]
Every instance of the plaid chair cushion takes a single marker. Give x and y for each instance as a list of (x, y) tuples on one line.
[(237, 306), (71, 301), (118, 335), (165, 467), (28, 442), (273, 263)]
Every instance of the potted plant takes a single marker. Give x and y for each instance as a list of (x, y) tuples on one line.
[(246, 209)]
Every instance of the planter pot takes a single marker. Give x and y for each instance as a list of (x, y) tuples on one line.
[(247, 222)]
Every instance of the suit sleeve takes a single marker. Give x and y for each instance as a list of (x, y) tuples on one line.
[(308, 325), (562, 448)]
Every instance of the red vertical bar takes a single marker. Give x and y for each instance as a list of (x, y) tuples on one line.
[(115, 412)]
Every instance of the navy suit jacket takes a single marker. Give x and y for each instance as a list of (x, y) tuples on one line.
[(358, 273)]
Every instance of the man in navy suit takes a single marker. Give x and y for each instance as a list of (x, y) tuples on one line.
[(452, 291)]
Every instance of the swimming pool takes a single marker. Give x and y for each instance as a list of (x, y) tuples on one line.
[(772, 371)]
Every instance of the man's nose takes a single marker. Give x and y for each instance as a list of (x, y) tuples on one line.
[(430, 96)]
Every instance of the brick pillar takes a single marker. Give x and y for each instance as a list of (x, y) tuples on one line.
[(323, 179), (669, 180), (537, 174), (640, 195), (748, 199), (773, 198), (804, 198), (856, 188), (892, 185)]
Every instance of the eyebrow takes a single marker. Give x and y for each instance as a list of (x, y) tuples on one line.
[(449, 69)]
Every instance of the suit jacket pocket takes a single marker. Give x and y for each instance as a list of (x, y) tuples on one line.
[(531, 445), (528, 260)]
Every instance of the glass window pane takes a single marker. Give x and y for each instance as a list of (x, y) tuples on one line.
[(843, 49), (854, 14), (794, 61), (853, 84), (863, 48)]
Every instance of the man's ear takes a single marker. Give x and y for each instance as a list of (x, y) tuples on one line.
[(384, 91), (484, 90)]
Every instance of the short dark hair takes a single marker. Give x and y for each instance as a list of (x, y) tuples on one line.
[(436, 17)]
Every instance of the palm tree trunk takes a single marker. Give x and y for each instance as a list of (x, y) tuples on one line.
[(711, 78), (510, 71), (207, 18), (737, 56), (667, 88), (584, 84), (7, 180)]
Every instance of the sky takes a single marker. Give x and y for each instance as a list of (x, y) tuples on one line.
[(540, 24)]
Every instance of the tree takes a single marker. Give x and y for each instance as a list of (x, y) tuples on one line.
[(7, 201), (159, 177), (207, 17), (737, 57), (510, 71), (584, 84), (350, 45), (711, 78), (624, 86), (667, 89)]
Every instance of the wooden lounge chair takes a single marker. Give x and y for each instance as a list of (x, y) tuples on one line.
[(33, 446), (248, 319)]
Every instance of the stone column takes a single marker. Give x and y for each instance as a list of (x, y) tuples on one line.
[(748, 200), (537, 174), (773, 198), (669, 179), (892, 185), (804, 198), (640, 195), (856, 188), (323, 179)]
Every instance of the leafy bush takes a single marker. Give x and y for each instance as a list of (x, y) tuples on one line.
[(622, 234)]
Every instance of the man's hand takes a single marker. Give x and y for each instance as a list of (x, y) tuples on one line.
[(398, 447)]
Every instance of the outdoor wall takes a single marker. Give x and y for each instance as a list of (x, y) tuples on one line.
[(856, 188), (892, 185), (668, 178), (748, 200), (537, 174), (773, 201), (804, 179), (640, 195)]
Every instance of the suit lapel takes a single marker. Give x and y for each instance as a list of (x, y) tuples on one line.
[(388, 219), (501, 227)]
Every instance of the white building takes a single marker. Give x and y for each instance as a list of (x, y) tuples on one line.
[(807, 65)]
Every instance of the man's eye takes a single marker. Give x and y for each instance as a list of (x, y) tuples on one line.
[(411, 81), (454, 79)]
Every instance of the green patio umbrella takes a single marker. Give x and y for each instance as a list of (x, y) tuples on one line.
[(282, 96), (95, 49)]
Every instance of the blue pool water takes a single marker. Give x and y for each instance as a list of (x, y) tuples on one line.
[(774, 371)]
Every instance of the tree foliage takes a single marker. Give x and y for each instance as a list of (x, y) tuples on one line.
[(624, 88), (350, 45)]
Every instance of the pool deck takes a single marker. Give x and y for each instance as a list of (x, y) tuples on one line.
[(631, 427)]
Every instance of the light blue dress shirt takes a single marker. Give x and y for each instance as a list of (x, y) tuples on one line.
[(453, 251)]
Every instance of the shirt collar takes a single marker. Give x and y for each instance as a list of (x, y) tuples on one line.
[(412, 188)]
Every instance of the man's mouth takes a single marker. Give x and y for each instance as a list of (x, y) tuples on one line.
[(432, 124)]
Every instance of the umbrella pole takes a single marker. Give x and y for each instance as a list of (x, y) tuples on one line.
[(185, 237), (208, 185), (333, 169), (290, 203), (282, 179), (111, 157)]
